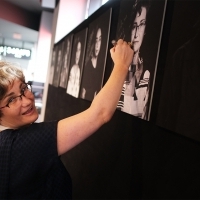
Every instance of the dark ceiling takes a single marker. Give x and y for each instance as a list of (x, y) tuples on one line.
[(29, 5), (8, 28)]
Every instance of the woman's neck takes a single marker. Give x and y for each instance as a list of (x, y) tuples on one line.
[(137, 61), (136, 58), (94, 62)]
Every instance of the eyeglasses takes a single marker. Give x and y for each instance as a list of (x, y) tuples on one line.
[(13, 102), (139, 28)]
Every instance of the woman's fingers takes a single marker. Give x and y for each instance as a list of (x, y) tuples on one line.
[(121, 53), (121, 41)]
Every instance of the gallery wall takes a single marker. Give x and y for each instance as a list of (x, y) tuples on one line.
[(131, 157)]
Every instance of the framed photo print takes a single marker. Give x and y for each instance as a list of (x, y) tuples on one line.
[(178, 109), (76, 63), (66, 61), (57, 68), (53, 62), (140, 22), (95, 58)]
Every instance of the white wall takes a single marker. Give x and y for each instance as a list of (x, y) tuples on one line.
[(71, 14), (43, 47), (53, 32)]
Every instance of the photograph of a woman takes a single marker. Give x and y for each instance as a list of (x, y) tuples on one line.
[(66, 61), (139, 25), (78, 51), (53, 59), (96, 53), (57, 68)]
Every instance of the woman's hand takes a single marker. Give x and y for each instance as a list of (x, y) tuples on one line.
[(122, 54)]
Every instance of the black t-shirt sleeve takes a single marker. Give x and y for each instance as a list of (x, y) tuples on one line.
[(34, 152)]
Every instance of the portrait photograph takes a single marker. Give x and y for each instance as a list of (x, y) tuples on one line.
[(53, 62), (180, 112), (66, 60), (140, 23), (76, 63), (58, 64), (96, 55)]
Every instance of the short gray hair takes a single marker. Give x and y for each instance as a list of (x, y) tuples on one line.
[(8, 73)]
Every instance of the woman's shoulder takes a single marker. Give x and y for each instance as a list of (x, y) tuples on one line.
[(6, 134), (42, 126), (29, 129), (35, 135)]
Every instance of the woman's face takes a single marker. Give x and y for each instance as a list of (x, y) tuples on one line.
[(78, 53), (98, 42), (24, 113), (138, 29)]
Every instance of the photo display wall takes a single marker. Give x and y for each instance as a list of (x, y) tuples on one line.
[(139, 22)]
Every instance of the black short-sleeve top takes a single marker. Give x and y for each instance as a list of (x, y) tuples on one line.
[(35, 169)]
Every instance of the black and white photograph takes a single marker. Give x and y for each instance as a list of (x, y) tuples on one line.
[(180, 113), (140, 23), (76, 63), (95, 58), (53, 62), (66, 61), (58, 64)]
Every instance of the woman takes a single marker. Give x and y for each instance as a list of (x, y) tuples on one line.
[(93, 69), (65, 67), (30, 166), (74, 76), (135, 91)]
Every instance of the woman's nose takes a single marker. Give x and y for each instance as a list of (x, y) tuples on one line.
[(136, 33), (25, 100)]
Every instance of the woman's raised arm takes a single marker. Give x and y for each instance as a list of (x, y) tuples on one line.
[(73, 130)]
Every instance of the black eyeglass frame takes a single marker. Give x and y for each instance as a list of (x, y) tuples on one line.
[(137, 28), (28, 86)]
